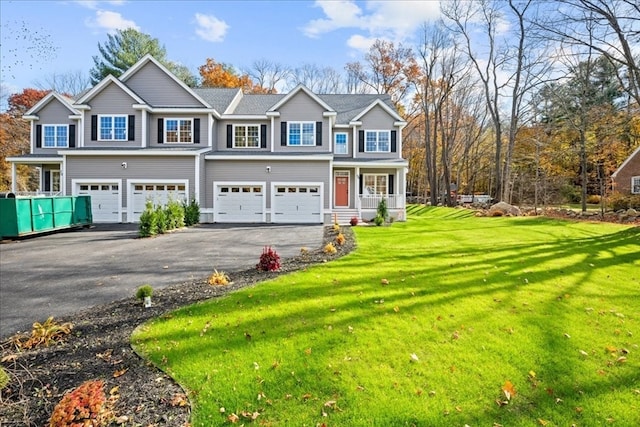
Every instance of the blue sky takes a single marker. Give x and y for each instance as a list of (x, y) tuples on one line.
[(326, 33)]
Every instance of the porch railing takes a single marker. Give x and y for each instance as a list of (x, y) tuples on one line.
[(38, 193), (371, 202)]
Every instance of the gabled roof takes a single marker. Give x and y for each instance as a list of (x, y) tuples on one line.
[(622, 166), (218, 98), (148, 58), (350, 106), (378, 102), (294, 92), (103, 84), (66, 102)]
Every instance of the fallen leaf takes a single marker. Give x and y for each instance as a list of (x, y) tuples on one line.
[(508, 389), (306, 396), (414, 357), (233, 418), (584, 353), (120, 373), (114, 390), (566, 335), (611, 349), (396, 309), (542, 422), (384, 281), (621, 359), (9, 358), (180, 400), (307, 351)]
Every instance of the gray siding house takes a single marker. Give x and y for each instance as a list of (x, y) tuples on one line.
[(298, 157)]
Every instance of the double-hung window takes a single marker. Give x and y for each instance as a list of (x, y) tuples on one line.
[(340, 143), (246, 136), (178, 130), (55, 136), (375, 184), (635, 185), (302, 133), (113, 128), (377, 141)]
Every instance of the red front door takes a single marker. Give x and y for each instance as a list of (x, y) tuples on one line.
[(342, 191)]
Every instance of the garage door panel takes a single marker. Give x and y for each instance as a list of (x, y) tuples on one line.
[(105, 198), (297, 204), (239, 203), (157, 194)]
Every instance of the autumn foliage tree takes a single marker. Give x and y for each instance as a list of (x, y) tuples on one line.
[(14, 136), (217, 74)]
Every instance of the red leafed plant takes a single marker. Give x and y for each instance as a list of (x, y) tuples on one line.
[(83, 406), (269, 260)]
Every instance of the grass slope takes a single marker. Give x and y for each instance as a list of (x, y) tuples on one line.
[(550, 307)]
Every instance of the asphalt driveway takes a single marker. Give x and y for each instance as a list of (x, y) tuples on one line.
[(63, 273)]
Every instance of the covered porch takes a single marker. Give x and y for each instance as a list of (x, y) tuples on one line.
[(50, 179)]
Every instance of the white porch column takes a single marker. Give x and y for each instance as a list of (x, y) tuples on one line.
[(14, 177), (358, 195)]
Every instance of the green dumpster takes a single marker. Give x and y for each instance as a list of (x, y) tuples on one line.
[(32, 215)]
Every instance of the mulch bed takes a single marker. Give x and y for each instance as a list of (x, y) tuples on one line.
[(98, 348)]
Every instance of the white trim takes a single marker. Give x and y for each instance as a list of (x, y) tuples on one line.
[(183, 110), (377, 131), (273, 134), (294, 91), (244, 117), (113, 124), (143, 129), (104, 83), (397, 164), (29, 115), (134, 152), (137, 181), (178, 119), (234, 103), (319, 157), (63, 176), (14, 178), (233, 135), (35, 160), (210, 122), (76, 182), (55, 126), (80, 141), (263, 184), (632, 184), (302, 123), (196, 182)]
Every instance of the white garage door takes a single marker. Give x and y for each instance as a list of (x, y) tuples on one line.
[(158, 194), (239, 203), (104, 200), (297, 204)]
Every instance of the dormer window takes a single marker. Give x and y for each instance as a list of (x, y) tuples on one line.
[(113, 128)]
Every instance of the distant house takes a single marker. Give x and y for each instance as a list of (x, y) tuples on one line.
[(299, 157), (626, 179)]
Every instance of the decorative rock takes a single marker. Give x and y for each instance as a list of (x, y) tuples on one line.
[(503, 209), (632, 213)]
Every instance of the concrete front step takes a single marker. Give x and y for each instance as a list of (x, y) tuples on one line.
[(343, 217)]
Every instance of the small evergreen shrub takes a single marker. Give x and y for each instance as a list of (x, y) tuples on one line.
[(382, 211), (84, 406), (219, 278), (175, 215), (378, 220), (340, 239), (269, 260), (144, 291), (161, 219), (148, 221), (329, 248), (191, 212)]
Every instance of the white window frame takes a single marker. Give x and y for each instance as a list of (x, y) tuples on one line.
[(112, 132), (179, 133), (374, 191), (346, 143), (311, 142), (377, 133), (56, 142), (635, 185), (246, 128)]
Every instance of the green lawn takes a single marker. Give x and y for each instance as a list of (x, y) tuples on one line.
[(471, 305)]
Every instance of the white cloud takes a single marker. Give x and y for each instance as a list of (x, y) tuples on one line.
[(110, 21), (211, 28), (394, 20), (93, 4), (359, 42)]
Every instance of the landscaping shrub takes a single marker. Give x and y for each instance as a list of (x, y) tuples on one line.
[(382, 211), (83, 406), (144, 291), (571, 193), (161, 219), (353, 221), (269, 260), (378, 220), (191, 212), (175, 215), (340, 239), (330, 249), (46, 333), (593, 199), (618, 201), (219, 278), (148, 221)]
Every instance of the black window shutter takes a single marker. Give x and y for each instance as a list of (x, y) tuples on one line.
[(229, 136), (38, 136), (196, 131), (283, 134), (160, 131), (318, 134), (361, 141), (94, 127), (47, 180), (263, 136), (72, 136), (394, 142), (131, 128), (361, 181), (390, 184)]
